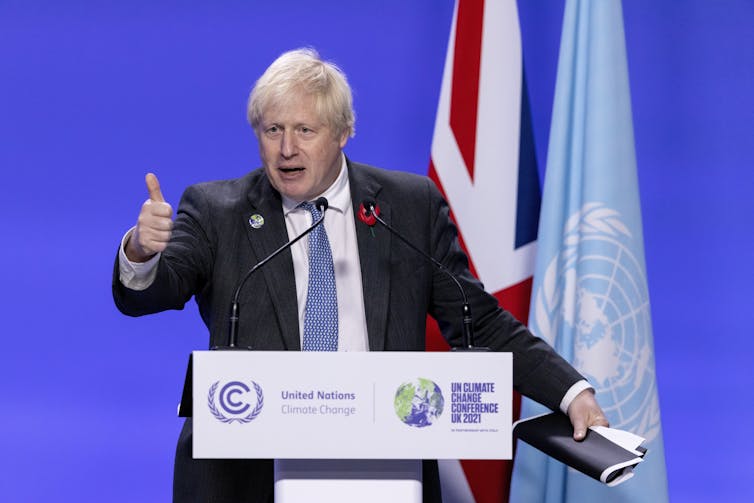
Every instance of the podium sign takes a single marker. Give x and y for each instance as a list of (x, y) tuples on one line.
[(381, 405)]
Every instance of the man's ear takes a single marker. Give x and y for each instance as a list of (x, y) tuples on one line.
[(343, 139)]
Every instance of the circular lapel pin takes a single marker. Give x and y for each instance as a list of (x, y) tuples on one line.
[(256, 221)]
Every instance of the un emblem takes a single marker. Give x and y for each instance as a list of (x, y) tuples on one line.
[(596, 291), (235, 401)]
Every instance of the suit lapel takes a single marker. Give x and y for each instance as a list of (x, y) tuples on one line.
[(278, 273), (374, 256)]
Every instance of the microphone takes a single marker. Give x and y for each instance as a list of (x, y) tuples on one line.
[(369, 213), (322, 205)]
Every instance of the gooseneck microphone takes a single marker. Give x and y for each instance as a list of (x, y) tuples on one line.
[(322, 205), (369, 213)]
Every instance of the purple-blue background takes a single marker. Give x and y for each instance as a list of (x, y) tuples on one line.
[(94, 94)]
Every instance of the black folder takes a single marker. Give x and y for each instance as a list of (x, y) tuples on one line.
[(606, 454)]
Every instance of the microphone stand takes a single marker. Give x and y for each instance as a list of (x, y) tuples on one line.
[(468, 322), (322, 205)]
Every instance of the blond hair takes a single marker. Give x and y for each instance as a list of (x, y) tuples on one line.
[(302, 70)]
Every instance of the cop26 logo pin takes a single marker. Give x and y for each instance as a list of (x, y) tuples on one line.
[(235, 401)]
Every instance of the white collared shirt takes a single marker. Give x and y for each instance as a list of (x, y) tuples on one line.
[(341, 233)]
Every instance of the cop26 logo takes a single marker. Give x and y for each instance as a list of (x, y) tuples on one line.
[(235, 401)]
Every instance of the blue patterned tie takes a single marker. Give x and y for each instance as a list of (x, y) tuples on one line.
[(321, 314)]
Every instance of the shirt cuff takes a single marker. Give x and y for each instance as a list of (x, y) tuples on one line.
[(574, 390), (136, 275)]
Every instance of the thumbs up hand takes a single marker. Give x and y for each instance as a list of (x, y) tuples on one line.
[(153, 227)]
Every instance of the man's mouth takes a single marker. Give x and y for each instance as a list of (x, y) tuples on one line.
[(290, 169)]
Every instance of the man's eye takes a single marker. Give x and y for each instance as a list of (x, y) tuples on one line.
[(273, 131)]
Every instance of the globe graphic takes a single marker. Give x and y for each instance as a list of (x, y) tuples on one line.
[(418, 403)]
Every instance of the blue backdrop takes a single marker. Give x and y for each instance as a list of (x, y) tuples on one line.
[(94, 94)]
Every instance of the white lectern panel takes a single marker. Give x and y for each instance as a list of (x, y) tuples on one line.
[(386, 405)]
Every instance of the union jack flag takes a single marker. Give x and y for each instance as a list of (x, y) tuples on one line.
[(484, 162)]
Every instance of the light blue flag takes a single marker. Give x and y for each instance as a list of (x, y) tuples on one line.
[(590, 298)]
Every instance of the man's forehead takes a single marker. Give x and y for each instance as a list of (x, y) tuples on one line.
[(293, 107)]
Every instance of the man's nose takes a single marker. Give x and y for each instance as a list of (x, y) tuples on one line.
[(288, 146)]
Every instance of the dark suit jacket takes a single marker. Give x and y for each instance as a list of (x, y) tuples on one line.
[(213, 245)]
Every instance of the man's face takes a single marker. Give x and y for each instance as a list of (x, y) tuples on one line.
[(300, 152)]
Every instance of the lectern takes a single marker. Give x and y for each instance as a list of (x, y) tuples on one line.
[(351, 426)]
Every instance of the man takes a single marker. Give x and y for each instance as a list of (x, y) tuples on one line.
[(301, 113)]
